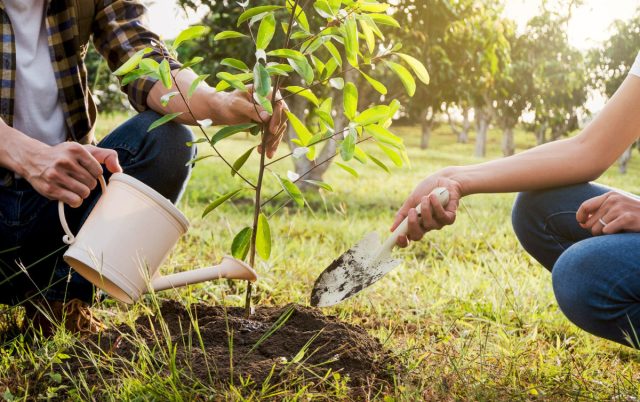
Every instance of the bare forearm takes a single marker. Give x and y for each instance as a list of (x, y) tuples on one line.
[(15, 149), (199, 103), (575, 160)]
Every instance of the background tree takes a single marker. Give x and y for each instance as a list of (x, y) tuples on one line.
[(480, 52), (513, 88), (560, 82), (611, 63)]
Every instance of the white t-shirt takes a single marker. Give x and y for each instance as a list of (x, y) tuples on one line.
[(635, 69), (37, 109)]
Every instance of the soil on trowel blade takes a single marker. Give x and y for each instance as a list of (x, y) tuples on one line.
[(258, 353)]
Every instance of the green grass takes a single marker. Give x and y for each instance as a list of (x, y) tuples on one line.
[(469, 313)]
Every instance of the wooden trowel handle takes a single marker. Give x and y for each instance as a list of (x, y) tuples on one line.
[(402, 229)]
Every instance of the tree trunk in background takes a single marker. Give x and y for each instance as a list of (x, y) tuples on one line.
[(624, 160), (453, 126), (482, 121), (325, 149), (508, 144), (541, 136), (426, 125), (463, 136)]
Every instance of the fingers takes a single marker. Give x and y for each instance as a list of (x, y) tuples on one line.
[(403, 212), (107, 157), (414, 231), (589, 207)]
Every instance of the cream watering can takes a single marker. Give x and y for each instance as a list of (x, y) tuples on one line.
[(128, 235)]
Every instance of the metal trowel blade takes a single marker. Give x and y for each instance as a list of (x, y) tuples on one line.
[(356, 269)]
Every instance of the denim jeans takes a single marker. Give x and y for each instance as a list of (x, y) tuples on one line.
[(31, 246), (596, 279)]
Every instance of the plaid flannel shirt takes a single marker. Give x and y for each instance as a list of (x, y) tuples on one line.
[(118, 29)]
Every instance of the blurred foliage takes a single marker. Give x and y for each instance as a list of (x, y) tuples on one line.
[(611, 63), (103, 85)]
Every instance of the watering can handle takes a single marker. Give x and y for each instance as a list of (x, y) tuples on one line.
[(69, 238), (402, 229)]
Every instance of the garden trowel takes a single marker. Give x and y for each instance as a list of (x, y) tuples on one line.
[(362, 265)]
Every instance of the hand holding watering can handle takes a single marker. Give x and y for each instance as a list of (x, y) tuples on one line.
[(402, 229), (69, 238)]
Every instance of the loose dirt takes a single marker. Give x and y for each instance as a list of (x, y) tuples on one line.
[(286, 345)]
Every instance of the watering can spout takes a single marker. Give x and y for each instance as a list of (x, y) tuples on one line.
[(229, 268)]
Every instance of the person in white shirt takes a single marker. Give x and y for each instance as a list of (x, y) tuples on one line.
[(586, 234)]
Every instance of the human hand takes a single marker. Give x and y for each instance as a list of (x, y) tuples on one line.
[(68, 171), (609, 213), (433, 215), (237, 107)]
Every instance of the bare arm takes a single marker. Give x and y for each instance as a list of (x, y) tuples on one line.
[(575, 160), (221, 107)]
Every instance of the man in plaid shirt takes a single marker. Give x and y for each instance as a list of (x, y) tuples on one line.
[(46, 130)]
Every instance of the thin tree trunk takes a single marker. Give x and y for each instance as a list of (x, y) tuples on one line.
[(453, 126), (508, 144), (482, 121), (426, 133), (541, 136), (463, 137), (426, 125), (624, 160)]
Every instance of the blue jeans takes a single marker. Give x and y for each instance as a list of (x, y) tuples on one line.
[(596, 279), (31, 246)]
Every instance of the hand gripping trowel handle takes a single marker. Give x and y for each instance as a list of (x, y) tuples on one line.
[(402, 229)]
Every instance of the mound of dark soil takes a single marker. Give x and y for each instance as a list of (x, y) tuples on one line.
[(263, 348)]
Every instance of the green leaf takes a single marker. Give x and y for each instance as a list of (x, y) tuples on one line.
[(165, 74), (379, 163), (219, 201), (292, 190), (300, 16), (383, 135), (242, 77), (132, 76), (303, 132), (347, 169), (384, 19), (350, 100), (197, 159), (264, 102), (150, 66), (265, 31), (303, 68), (368, 36), (261, 80), (320, 184), (164, 99), (372, 115), (377, 85), (229, 35), (189, 34), (231, 130), (287, 54), (241, 243), (304, 92), (323, 9), (239, 163), (232, 80), (405, 77), (235, 63), (372, 7), (334, 52), (192, 62), (392, 154), (163, 120), (195, 83), (263, 237), (252, 12), (132, 63), (348, 145), (351, 41), (418, 68)]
